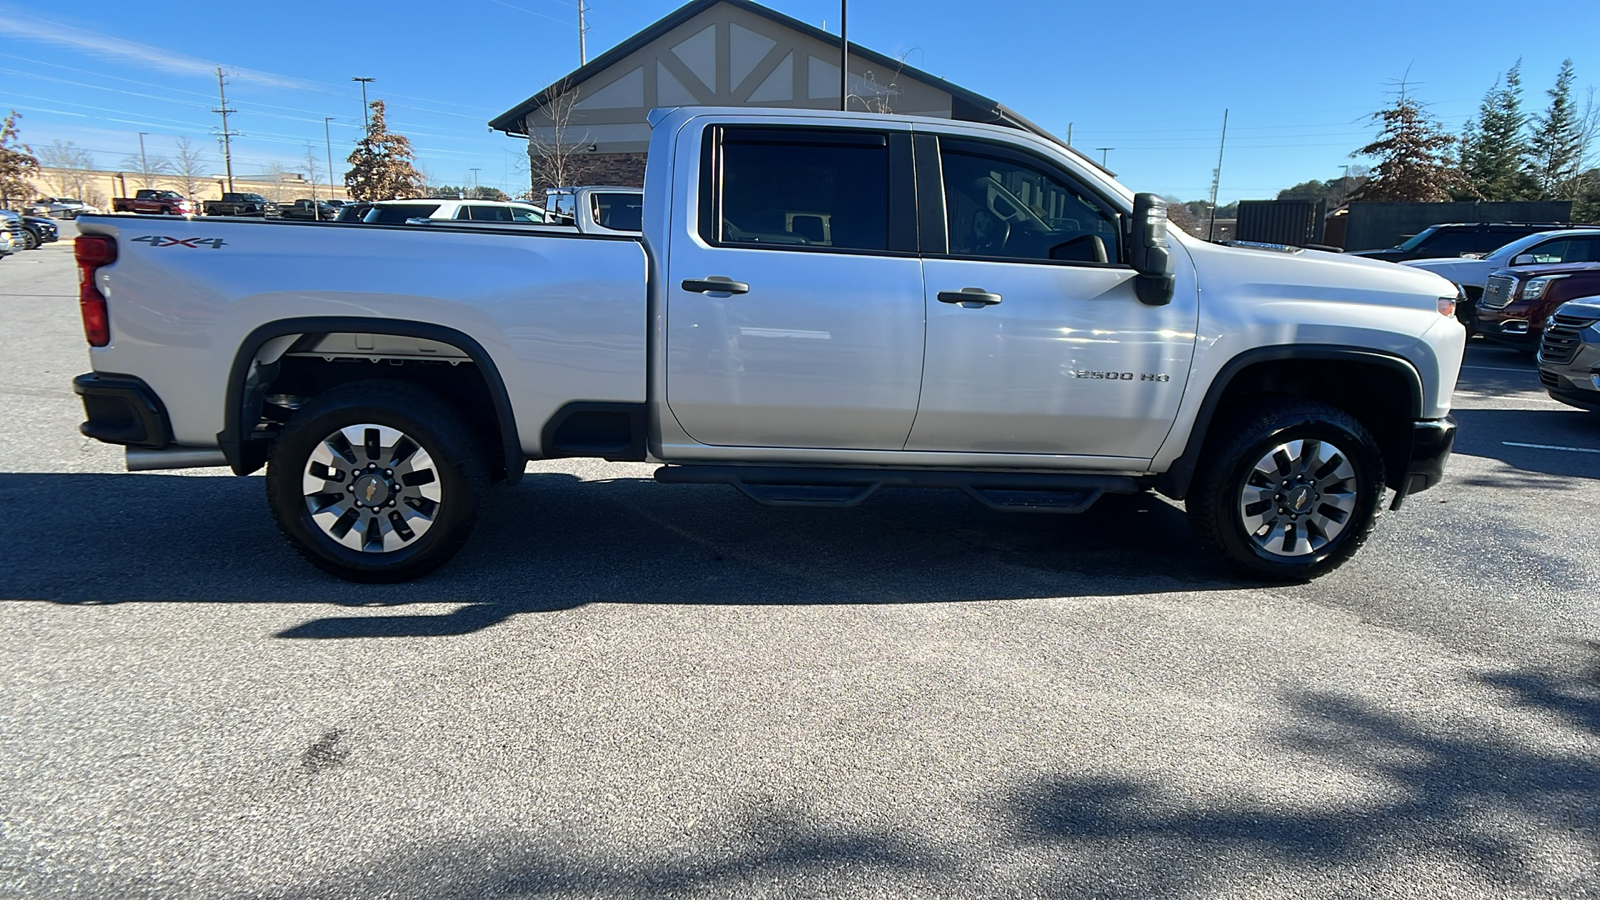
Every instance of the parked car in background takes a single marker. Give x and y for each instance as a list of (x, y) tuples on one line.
[(1458, 240), (7, 244), (1543, 248), (153, 202), (353, 211), (396, 212), (1517, 301), (597, 208), (44, 229), (28, 232), (310, 210), (1569, 354), (242, 204), (60, 207)]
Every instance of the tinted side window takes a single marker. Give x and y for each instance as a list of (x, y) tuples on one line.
[(832, 194), (523, 214), (1455, 243), (998, 207), (397, 215), (1552, 251), (490, 214), (623, 212)]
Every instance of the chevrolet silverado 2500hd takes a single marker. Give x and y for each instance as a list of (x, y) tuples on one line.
[(820, 304)]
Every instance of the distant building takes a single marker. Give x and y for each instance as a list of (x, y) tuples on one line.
[(725, 53)]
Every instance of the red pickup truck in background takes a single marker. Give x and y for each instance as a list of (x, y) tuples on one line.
[(152, 202), (1516, 301)]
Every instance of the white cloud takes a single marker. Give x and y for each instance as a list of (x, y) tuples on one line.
[(144, 55)]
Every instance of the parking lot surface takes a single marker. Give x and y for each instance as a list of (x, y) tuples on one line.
[(623, 689)]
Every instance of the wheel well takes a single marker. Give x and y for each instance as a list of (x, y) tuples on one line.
[(276, 375), (1381, 397), (1383, 392)]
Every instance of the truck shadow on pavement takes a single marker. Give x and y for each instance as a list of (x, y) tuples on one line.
[(1392, 800), (556, 542)]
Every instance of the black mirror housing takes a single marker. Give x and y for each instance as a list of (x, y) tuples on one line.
[(1149, 252)]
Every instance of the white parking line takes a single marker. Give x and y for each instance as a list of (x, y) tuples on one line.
[(1550, 447), (1502, 369)]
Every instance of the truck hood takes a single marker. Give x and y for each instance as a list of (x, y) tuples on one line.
[(1293, 274)]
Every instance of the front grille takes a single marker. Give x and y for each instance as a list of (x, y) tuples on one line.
[(1497, 291), (1549, 379), (1561, 341)]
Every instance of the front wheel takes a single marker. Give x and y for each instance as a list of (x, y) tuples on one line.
[(1292, 491), (30, 241), (376, 481)]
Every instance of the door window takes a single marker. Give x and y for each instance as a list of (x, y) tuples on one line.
[(1000, 206), (802, 189)]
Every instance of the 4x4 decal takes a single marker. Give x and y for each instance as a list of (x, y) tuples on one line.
[(156, 240)]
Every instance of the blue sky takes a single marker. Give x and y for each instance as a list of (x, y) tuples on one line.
[(1149, 80)]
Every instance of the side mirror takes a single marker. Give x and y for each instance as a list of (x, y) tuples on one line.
[(1149, 253), (1525, 259)]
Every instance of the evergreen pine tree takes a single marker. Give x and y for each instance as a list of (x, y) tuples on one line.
[(1558, 140), (1412, 153), (1495, 162), (381, 166)]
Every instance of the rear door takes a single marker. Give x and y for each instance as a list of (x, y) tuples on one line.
[(1036, 341), (794, 302)]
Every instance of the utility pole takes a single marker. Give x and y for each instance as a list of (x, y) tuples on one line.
[(474, 183), (844, 56), (227, 136), (1216, 178), (1069, 134), (365, 122), (1103, 152), (326, 136), (583, 29), (144, 166)]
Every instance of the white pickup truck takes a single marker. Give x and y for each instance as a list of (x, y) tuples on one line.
[(820, 304)]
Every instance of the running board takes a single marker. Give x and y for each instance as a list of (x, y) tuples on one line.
[(840, 488)]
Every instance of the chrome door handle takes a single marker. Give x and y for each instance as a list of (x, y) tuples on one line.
[(969, 298), (715, 284)]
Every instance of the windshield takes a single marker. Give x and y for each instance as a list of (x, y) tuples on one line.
[(1415, 240)]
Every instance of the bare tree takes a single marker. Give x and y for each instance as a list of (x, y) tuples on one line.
[(147, 167), (189, 169), (311, 169), (558, 149), (273, 174), (876, 97), (71, 166)]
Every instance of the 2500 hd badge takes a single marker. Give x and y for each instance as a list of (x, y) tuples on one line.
[(1121, 376)]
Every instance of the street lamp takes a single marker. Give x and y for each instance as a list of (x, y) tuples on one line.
[(1103, 152), (329, 140), (364, 82)]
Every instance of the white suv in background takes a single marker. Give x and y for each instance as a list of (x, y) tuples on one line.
[(396, 212)]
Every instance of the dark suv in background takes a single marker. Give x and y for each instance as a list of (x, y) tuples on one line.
[(1443, 241)]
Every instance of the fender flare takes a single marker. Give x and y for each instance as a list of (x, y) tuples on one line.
[(1175, 481), (232, 439)]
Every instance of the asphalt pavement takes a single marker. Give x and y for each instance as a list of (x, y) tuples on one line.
[(624, 689)]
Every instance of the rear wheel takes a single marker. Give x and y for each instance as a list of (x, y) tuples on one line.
[(376, 481), (1292, 492)]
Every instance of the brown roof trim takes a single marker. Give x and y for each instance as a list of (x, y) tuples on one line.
[(977, 108)]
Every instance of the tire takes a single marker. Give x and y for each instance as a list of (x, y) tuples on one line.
[(403, 512), (30, 241), (1314, 463), (1467, 310)]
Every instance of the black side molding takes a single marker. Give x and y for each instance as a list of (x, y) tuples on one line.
[(614, 431), (122, 409)]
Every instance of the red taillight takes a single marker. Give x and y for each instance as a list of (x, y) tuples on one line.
[(93, 251)]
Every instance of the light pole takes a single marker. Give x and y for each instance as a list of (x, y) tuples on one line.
[(364, 82), (1103, 152), (474, 183), (144, 167), (329, 140)]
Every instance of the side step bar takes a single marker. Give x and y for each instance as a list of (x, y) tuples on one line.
[(802, 486)]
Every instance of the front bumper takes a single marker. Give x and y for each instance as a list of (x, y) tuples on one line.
[(121, 409), (1431, 443)]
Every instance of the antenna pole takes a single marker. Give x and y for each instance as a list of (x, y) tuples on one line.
[(1216, 178)]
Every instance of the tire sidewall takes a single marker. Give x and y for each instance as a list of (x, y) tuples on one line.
[(457, 510), (1356, 446)]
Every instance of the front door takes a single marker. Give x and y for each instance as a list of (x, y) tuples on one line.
[(794, 305), (1049, 351)]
